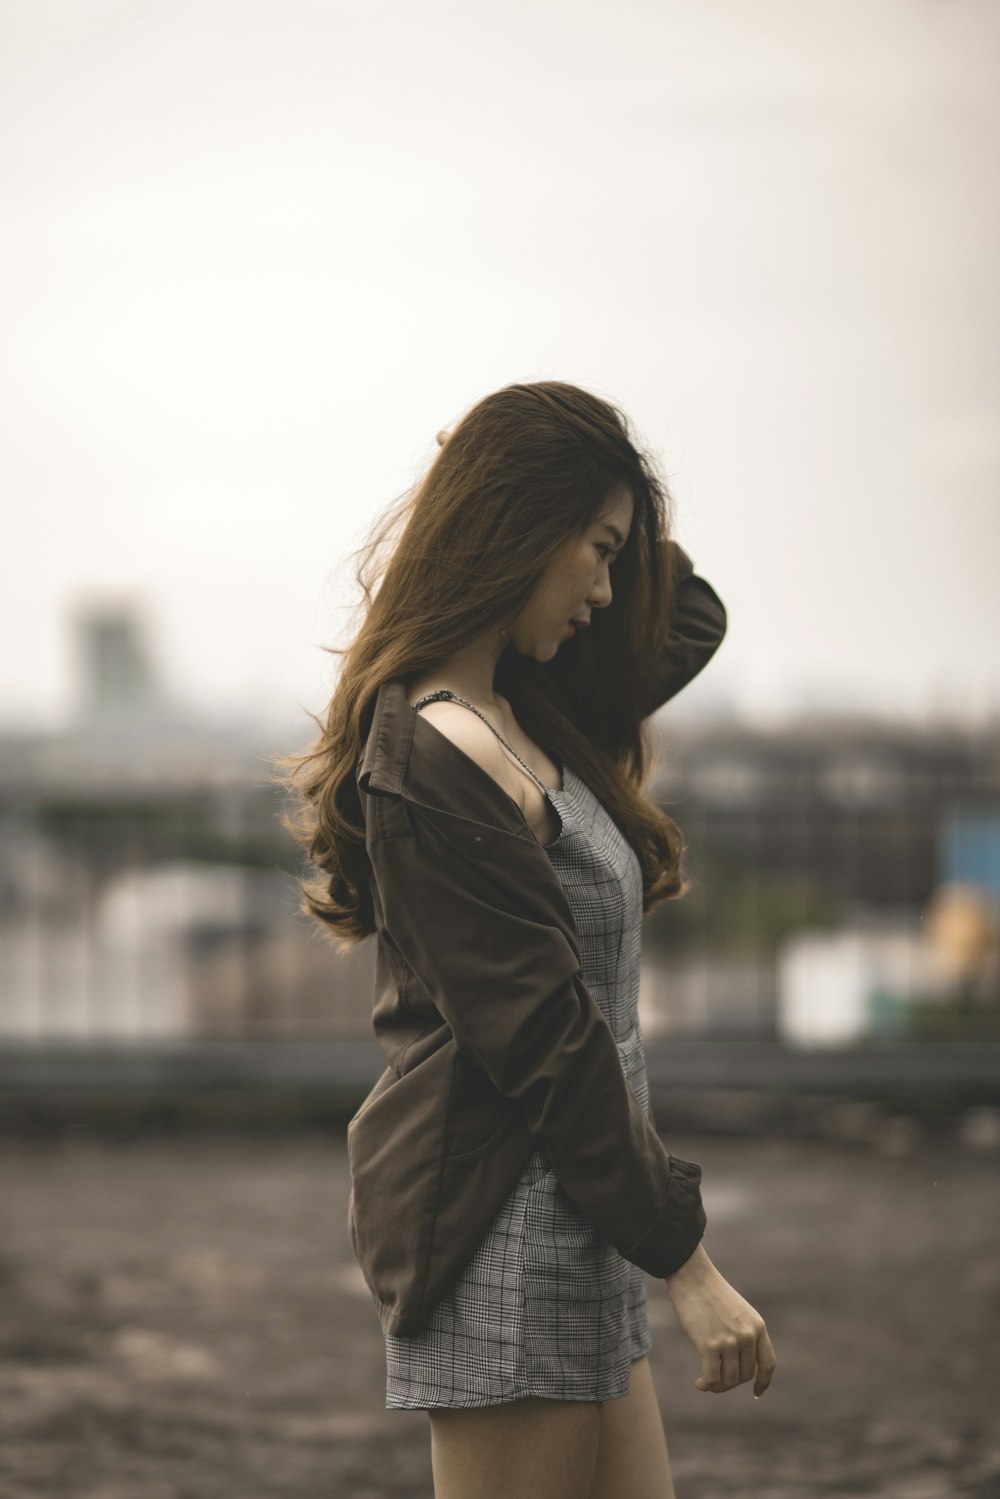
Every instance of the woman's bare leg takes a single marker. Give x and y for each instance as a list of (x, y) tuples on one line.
[(632, 1460), (531, 1446)]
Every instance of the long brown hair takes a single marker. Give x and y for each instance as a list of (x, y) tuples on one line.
[(525, 469)]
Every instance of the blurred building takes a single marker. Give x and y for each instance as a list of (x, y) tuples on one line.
[(117, 678), (148, 889), (865, 808), (823, 854)]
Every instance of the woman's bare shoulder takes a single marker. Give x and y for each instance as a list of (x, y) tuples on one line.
[(469, 733)]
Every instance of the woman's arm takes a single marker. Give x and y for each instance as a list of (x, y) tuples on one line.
[(697, 627)]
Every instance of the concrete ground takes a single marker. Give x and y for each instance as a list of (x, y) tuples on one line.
[(181, 1317)]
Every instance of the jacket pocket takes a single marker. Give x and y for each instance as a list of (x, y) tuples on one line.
[(478, 1115)]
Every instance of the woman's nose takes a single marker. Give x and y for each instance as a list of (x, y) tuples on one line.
[(600, 594)]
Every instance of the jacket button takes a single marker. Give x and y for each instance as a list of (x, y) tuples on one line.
[(476, 838)]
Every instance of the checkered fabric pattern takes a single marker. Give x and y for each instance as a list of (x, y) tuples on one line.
[(545, 1306)]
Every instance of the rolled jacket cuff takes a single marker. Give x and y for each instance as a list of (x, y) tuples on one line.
[(678, 1228)]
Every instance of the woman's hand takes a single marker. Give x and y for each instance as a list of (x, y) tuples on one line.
[(727, 1333)]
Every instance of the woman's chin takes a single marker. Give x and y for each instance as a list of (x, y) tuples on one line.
[(542, 650)]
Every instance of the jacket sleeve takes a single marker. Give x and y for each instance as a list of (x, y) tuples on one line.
[(697, 627), (476, 917)]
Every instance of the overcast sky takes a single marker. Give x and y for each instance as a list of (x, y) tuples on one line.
[(255, 253)]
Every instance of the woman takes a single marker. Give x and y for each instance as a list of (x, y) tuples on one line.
[(475, 800)]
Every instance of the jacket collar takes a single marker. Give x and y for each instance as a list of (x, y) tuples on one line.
[(388, 746)]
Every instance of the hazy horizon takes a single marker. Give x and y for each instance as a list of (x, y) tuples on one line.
[(255, 257)]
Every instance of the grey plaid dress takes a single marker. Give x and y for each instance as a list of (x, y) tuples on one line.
[(545, 1306)]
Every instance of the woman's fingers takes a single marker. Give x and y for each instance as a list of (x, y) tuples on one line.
[(711, 1372), (736, 1364), (730, 1368), (766, 1363)]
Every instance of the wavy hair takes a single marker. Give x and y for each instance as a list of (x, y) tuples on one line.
[(458, 554)]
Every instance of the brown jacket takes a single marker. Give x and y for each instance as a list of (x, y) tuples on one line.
[(492, 1037)]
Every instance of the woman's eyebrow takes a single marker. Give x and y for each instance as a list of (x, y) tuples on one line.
[(615, 533)]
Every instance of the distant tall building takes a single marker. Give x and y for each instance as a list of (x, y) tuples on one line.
[(117, 677)]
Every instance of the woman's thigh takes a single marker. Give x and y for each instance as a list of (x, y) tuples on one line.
[(530, 1446), (632, 1460)]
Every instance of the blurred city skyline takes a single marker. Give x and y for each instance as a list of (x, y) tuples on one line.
[(254, 257)]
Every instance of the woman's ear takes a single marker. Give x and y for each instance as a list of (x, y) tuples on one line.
[(442, 438)]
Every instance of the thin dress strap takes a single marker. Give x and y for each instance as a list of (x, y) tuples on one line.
[(446, 692)]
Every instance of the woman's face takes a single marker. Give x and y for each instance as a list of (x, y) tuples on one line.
[(576, 582)]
